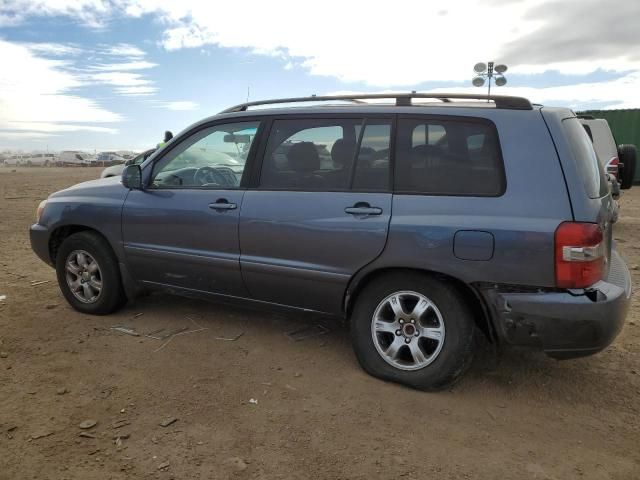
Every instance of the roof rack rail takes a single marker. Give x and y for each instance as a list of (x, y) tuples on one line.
[(586, 117), (402, 99)]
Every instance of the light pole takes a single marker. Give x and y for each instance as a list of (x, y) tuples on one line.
[(490, 72)]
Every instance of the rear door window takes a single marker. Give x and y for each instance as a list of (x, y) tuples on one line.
[(589, 168), (327, 155), (445, 156)]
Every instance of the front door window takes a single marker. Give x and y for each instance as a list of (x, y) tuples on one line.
[(211, 158)]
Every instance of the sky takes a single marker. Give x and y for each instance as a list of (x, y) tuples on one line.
[(115, 74)]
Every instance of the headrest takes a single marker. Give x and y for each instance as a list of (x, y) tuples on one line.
[(342, 152), (303, 157)]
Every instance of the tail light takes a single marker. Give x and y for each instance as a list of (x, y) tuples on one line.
[(613, 167), (580, 254)]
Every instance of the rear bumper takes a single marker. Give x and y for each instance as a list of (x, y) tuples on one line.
[(565, 324)]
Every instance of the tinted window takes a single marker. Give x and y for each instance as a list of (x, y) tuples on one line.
[(327, 155), (589, 167), (372, 164), (211, 158), (448, 157)]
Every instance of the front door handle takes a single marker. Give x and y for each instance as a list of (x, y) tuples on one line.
[(363, 208), (223, 204)]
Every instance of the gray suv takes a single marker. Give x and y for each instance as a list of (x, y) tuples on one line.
[(421, 222)]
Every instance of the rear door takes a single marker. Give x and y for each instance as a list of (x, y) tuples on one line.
[(320, 210)]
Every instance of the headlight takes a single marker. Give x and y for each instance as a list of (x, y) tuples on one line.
[(40, 209)]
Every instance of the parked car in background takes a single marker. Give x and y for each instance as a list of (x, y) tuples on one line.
[(617, 160), (109, 158), (13, 160), (75, 158), (39, 159), (116, 170), (420, 223)]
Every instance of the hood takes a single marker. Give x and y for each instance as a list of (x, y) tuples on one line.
[(104, 187)]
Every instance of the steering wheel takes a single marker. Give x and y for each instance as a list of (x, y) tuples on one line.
[(214, 176)]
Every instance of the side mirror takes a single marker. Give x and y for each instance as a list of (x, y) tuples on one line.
[(132, 177), (128, 162)]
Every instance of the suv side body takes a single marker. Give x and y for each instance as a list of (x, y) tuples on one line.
[(321, 249)]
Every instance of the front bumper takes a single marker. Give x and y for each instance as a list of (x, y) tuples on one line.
[(39, 236), (565, 324)]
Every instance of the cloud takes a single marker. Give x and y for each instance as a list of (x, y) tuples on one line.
[(343, 40), (123, 50), (54, 49), (134, 65), (179, 105), (91, 13), (24, 135), (55, 127), (119, 74), (623, 92), (120, 78), (353, 44), (604, 35), (36, 94), (428, 44), (136, 91)]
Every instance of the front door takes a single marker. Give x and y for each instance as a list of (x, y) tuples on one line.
[(321, 210), (182, 230)]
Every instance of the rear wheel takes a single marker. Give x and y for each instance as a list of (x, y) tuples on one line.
[(413, 329), (88, 274), (627, 156)]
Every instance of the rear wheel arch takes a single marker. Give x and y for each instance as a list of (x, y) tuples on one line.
[(481, 312)]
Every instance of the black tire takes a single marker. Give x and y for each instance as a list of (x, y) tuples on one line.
[(456, 352), (112, 295), (627, 156)]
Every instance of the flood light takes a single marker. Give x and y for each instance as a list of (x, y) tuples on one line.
[(489, 71), (501, 81), (479, 67)]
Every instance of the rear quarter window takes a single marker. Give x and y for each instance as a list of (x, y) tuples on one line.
[(450, 156), (589, 168)]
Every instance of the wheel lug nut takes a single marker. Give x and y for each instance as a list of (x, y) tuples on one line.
[(398, 332), (401, 321), (417, 334), (413, 321), (407, 340)]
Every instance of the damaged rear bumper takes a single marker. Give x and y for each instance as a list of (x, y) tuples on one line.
[(565, 324)]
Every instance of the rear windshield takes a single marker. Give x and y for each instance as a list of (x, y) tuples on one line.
[(589, 167)]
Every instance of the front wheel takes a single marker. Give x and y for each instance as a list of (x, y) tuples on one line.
[(413, 329), (88, 274)]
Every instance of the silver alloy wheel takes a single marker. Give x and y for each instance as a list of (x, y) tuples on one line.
[(407, 330), (83, 276)]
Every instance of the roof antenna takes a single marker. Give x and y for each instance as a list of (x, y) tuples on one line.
[(248, 92)]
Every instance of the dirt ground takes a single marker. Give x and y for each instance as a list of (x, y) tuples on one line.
[(318, 415)]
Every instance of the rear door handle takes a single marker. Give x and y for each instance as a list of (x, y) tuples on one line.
[(363, 209), (222, 204)]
